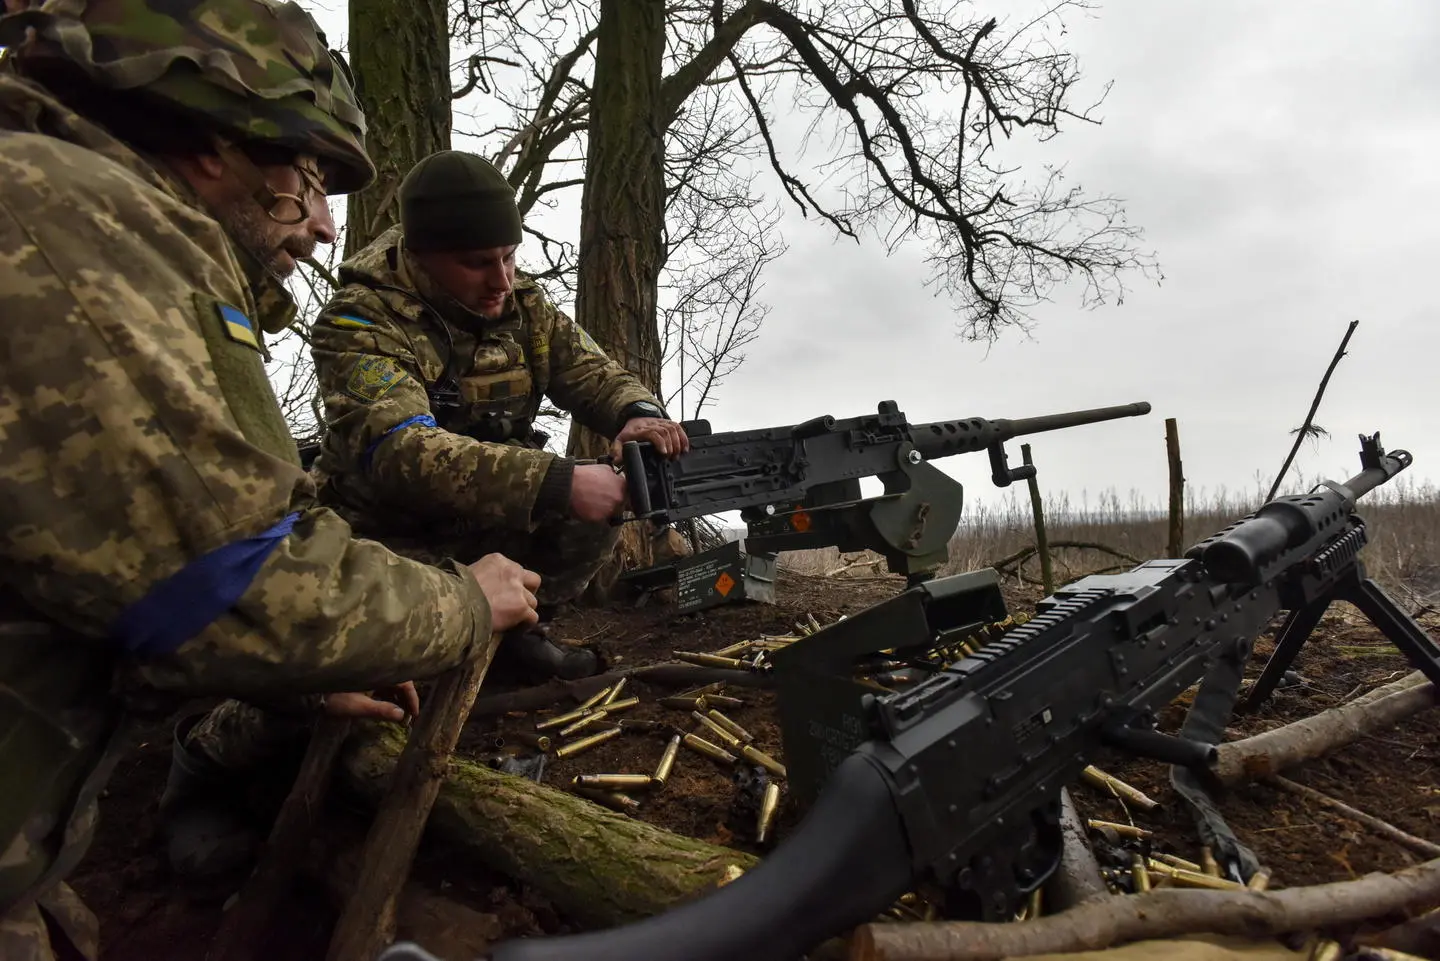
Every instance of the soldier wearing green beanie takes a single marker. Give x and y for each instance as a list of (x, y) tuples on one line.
[(434, 357)]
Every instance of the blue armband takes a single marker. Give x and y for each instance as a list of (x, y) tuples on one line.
[(423, 420), (188, 601)]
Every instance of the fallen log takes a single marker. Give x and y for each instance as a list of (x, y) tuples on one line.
[(1265, 754), (1163, 913), (598, 867)]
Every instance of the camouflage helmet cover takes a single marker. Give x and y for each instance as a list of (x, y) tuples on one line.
[(258, 69)]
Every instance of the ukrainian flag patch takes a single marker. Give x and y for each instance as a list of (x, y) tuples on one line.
[(237, 326), (347, 322)]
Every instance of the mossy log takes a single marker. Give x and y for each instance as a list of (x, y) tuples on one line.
[(598, 867)]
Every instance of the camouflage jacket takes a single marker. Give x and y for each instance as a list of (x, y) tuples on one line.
[(402, 457), (159, 532)]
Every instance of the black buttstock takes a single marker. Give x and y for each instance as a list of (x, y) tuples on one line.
[(846, 863)]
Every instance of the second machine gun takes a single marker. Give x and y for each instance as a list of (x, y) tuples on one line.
[(798, 487), (954, 783)]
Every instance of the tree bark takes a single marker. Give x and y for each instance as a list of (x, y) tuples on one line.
[(1164, 913), (1268, 753), (400, 55), (622, 219), (597, 867)]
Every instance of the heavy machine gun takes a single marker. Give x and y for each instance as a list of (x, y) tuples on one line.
[(798, 486), (955, 781)]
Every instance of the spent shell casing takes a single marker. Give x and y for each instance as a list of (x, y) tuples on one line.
[(1108, 782), (586, 743), (584, 722), (739, 647), (539, 742), (712, 751), (667, 761), (1035, 904), (724, 736), (714, 687), (1138, 874), (1176, 862), (685, 703), (644, 727), (560, 720), (1326, 950), (1193, 879), (614, 693), (611, 799), (1208, 864), (613, 782), (722, 700), (1126, 830), (730, 726), (711, 660), (1259, 881), (597, 697), (624, 704), (756, 756), (769, 804)]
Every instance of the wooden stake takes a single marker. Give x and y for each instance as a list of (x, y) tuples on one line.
[(1042, 546), (284, 852), (367, 925), (1176, 540)]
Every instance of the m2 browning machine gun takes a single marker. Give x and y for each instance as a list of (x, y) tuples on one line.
[(798, 486), (954, 783)]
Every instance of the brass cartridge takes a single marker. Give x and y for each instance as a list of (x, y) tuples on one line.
[(714, 752), (667, 761), (613, 782), (769, 804), (585, 743)]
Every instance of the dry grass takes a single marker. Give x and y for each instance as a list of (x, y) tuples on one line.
[(1403, 523)]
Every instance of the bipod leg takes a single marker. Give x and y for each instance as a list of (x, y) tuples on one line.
[(1293, 634), (1397, 626)]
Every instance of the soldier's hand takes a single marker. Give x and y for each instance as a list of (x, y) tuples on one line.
[(667, 436), (358, 704), (597, 493), (509, 588)]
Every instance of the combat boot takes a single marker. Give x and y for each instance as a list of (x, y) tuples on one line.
[(530, 651), (208, 832)]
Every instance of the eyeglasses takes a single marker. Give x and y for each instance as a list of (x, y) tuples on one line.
[(311, 182)]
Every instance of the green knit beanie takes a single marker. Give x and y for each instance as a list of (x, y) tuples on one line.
[(454, 200)]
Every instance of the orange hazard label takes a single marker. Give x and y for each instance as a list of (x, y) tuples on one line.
[(723, 583)]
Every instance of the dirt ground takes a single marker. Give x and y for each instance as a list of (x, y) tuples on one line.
[(146, 914)]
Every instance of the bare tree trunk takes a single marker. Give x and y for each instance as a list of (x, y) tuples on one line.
[(400, 54), (622, 216)]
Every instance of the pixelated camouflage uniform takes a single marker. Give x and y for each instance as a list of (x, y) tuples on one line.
[(439, 462), (160, 538)]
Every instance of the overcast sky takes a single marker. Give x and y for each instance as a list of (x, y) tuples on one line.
[(1280, 158)]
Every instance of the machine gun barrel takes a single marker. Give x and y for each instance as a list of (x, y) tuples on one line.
[(946, 437), (1247, 549)]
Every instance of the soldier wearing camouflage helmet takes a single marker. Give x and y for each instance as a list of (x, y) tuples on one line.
[(433, 358), (162, 167)]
